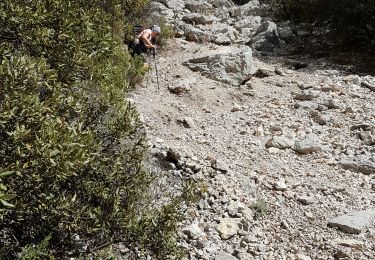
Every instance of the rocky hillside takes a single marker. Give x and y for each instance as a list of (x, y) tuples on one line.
[(283, 146)]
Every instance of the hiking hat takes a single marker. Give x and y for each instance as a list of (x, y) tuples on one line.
[(156, 28)]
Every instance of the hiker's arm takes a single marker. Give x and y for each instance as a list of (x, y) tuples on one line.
[(147, 42)]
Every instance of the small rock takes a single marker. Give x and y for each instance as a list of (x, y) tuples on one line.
[(179, 34), (318, 117), (340, 254), (263, 73), (330, 103), (309, 144), (259, 131), (354, 79), (219, 165), (280, 142), (368, 85), (308, 105), (224, 256), (222, 39), (284, 224), (354, 222), (349, 110), (179, 89), (235, 207), (279, 72), (188, 122), (227, 228), (302, 33), (366, 137), (296, 64), (349, 243), (302, 257), (273, 150), (358, 164), (309, 216), (305, 95), (236, 108), (286, 33), (280, 185), (364, 127), (305, 200), (193, 231)]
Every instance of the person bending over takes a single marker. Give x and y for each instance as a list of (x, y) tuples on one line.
[(145, 40)]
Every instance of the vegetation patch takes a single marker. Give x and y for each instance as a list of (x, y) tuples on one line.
[(71, 145)]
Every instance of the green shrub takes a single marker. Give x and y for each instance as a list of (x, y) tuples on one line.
[(261, 208), (71, 145), (39, 251)]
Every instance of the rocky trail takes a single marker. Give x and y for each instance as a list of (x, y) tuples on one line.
[(284, 147)]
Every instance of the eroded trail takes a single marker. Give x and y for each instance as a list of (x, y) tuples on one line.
[(300, 143), (212, 121)]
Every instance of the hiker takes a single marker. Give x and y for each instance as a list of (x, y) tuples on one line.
[(145, 40)]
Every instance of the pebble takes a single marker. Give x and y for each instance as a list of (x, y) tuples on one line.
[(305, 200)]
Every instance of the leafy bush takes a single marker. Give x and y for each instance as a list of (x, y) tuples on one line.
[(71, 145), (351, 21)]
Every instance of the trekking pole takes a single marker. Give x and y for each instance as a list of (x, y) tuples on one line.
[(156, 68)]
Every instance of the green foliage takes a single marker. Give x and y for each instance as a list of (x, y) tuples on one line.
[(351, 21), (71, 145), (167, 33), (5, 197), (261, 208), (36, 252)]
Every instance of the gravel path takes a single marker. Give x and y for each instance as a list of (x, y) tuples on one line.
[(274, 148)]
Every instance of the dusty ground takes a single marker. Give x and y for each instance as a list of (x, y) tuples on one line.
[(233, 124)]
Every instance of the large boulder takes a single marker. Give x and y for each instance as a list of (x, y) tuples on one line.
[(176, 5), (266, 38), (354, 222), (194, 34), (248, 27), (286, 33), (252, 22), (359, 164), (232, 66), (220, 3), (250, 8), (219, 30), (198, 6), (195, 18), (161, 11), (222, 13)]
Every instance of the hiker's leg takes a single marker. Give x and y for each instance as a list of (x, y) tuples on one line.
[(131, 47), (137, 49)]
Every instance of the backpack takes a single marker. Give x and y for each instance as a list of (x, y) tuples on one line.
[(135, 46), (137, 29)]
